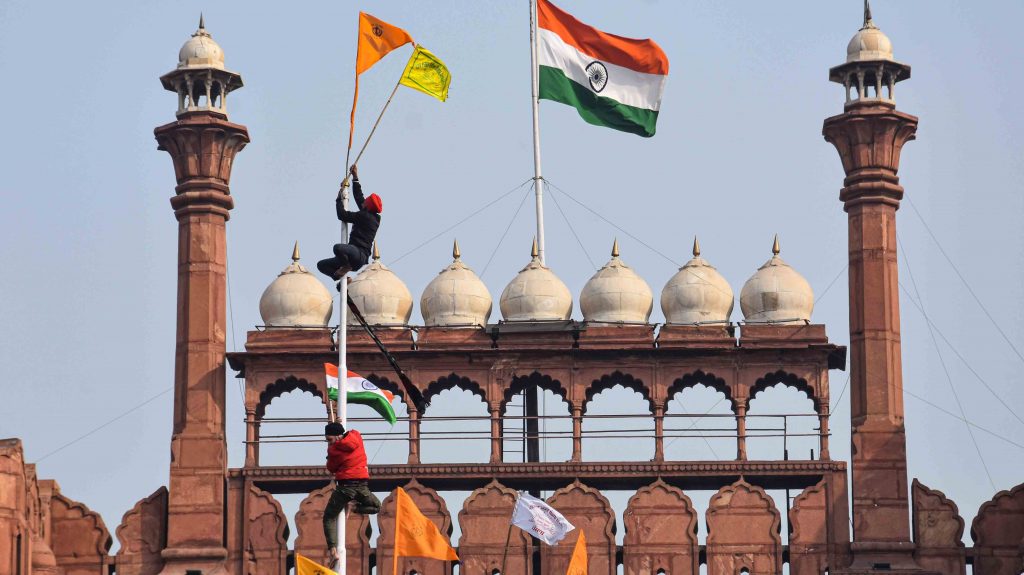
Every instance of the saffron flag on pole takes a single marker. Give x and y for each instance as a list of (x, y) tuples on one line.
[(376, 39), (540, 519), (427, 73), (612, 81), (416, 535), (306, 566), (578, 563), (362, 391)]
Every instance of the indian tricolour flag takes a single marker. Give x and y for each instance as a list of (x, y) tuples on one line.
[(611, 81), (362, 391)]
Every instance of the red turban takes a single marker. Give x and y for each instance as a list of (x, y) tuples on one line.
[(373, 204)]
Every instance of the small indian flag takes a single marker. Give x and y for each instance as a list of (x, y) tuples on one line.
[(362, 391), (612, 81)]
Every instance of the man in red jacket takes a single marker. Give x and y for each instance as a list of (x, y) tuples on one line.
[(346, 459)]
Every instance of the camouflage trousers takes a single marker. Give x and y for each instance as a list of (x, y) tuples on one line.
[(344, 492)]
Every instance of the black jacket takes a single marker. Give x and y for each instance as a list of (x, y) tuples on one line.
[(364, 222)]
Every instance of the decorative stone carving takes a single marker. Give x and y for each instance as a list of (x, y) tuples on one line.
[(264, 533), (743, 532), (484, 520), (998, 534), (434, 508), (591, 513), (938, 531), (309, 528), (79, 538), (808, 532), (661, 532), (142, 534)]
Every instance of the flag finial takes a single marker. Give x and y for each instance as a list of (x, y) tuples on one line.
[(456, 253), (376, 251), (696, 247), (295, 252), (533, 252), (775, 245), (202, 22), (615, 248), (867, 15)]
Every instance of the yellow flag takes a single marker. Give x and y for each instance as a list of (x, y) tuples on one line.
[(578, 563), (306, 566), (427, 73), (415, 535)]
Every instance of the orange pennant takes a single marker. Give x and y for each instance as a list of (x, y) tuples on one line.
[(578, 563), (376, 39), (415, 535)]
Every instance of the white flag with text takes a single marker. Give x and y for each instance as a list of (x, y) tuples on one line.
[(540, 519)]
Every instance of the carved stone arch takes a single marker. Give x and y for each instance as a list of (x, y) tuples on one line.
[(79, 538), (434, 508), (265, 546), (281, 387), (998, 534), (661, 532), (592, 514), (938, 531), (309, 529), (484, 521), (142, 534), (609, 381), (788, 379), (808, 531), (451, 381), (696, 378), (543, 381), (743, 531)]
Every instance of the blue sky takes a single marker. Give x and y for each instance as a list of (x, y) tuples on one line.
[(90, 239)]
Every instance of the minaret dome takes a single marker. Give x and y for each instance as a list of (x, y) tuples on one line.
[(870, 72), (200, 79)]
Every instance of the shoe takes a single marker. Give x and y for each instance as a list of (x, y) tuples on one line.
[(340, 272), (333, 559), (337, 284)]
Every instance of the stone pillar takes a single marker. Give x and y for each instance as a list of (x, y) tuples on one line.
[(414, 435), (659, 433), (869, 137), (823, 453), (495, 410), (202, 146), (577, 433), (251, 448), (741, 430)]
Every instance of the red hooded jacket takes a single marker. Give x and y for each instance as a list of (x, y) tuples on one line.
[(346, 458)]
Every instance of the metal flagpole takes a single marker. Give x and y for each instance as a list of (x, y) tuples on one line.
[(537, 178), (343, 378)]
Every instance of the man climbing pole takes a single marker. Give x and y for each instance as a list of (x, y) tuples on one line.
[(356, 253), (346, 460)]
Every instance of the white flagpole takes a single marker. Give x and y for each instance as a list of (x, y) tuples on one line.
[(343, 374), (537, 178)]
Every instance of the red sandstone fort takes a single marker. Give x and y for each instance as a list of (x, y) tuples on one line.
[(212, 519)]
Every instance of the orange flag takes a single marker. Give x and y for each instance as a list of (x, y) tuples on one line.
[(578, 563), (376, 39), (415, 535)]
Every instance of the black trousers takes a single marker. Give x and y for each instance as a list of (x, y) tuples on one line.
[(345, 491), (345, 256)]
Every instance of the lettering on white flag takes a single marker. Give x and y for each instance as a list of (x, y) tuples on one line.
[(540, 520)]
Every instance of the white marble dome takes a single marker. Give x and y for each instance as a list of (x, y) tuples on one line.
[(616, 294), (456, 297), (869, 43), (535, 294), (381, 296), (776, 293), (697, 294), (200, 51), (296, 298)]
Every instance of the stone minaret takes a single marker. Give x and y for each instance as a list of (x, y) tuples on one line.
[(202, 143), (869, 136)]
